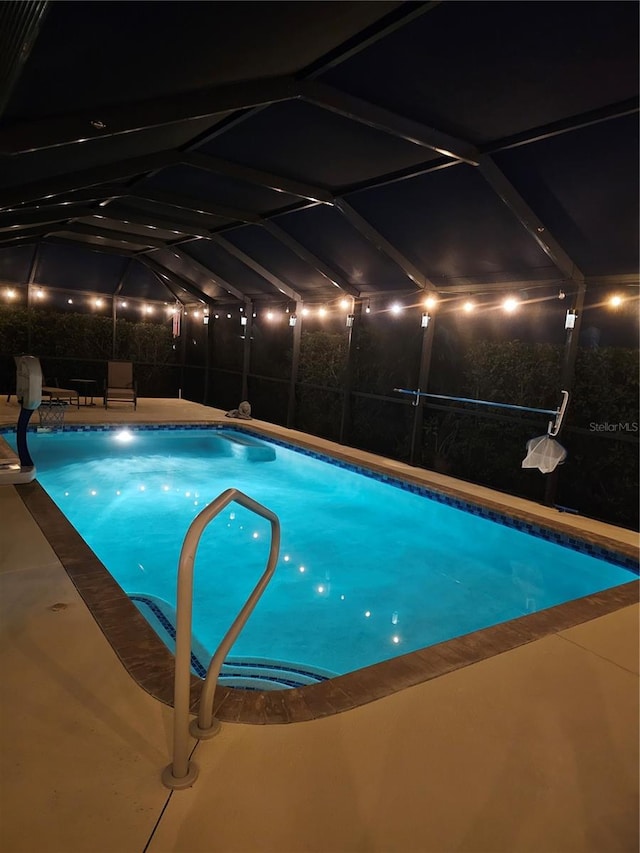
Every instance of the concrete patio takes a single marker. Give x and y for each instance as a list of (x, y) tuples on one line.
[(532, 750)]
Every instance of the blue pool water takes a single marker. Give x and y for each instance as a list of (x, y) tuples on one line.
[(367, 570)]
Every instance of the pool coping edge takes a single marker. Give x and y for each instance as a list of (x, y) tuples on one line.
[(150, 663)]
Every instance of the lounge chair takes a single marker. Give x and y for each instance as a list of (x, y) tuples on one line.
[(120, 386), (60, 395), (52, 390)]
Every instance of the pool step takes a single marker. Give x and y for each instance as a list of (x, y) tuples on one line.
[(248, 447), (248, 673), (263, 674)]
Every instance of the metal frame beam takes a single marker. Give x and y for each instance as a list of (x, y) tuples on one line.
[(248, 261), (385, 26), (46, 188), (557, 128), (382, 119), (217, 279), (193, 204), (180, 224), (14, 242), (66, 198), (110, 234), (383, 245), (25, 234), (391, 22), (89, 247), (45, 216), (110, 121), (184, 283), (528, 219), (302, 252), (167, 285), (278, 183)]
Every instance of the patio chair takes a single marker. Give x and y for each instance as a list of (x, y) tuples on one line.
[(120, 386), (51, 388)]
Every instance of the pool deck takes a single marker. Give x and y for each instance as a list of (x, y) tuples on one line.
[(531, 749)]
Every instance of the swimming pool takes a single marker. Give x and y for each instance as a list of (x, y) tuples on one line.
[(368, 569)]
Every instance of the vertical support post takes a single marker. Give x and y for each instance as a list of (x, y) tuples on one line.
[(246, 353), (114, 315), (208, 355), (423, 384), (183, 349), (354, 332), (567, 378), (30, 280), (295, 364), (114, 325)]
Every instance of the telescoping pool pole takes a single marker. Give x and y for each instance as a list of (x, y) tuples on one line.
[(554, 426)]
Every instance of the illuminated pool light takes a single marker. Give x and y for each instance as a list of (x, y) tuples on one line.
[(124, 436)]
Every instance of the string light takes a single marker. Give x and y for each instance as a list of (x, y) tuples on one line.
[(40, 294), (510, 304), (367, 310), (396, 308), (615, 301), (322, 311), (305, 312), (468, 306), (345, 304), (269, 314), (430, 303), (11, 294)]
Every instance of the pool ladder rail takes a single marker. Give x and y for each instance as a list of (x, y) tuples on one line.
[(182, 773)]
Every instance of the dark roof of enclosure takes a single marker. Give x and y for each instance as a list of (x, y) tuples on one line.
[(298, 150)]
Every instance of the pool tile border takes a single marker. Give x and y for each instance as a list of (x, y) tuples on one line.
[(626, 558), (149, 662)]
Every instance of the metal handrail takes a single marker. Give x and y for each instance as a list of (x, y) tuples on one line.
[(182, 773)]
